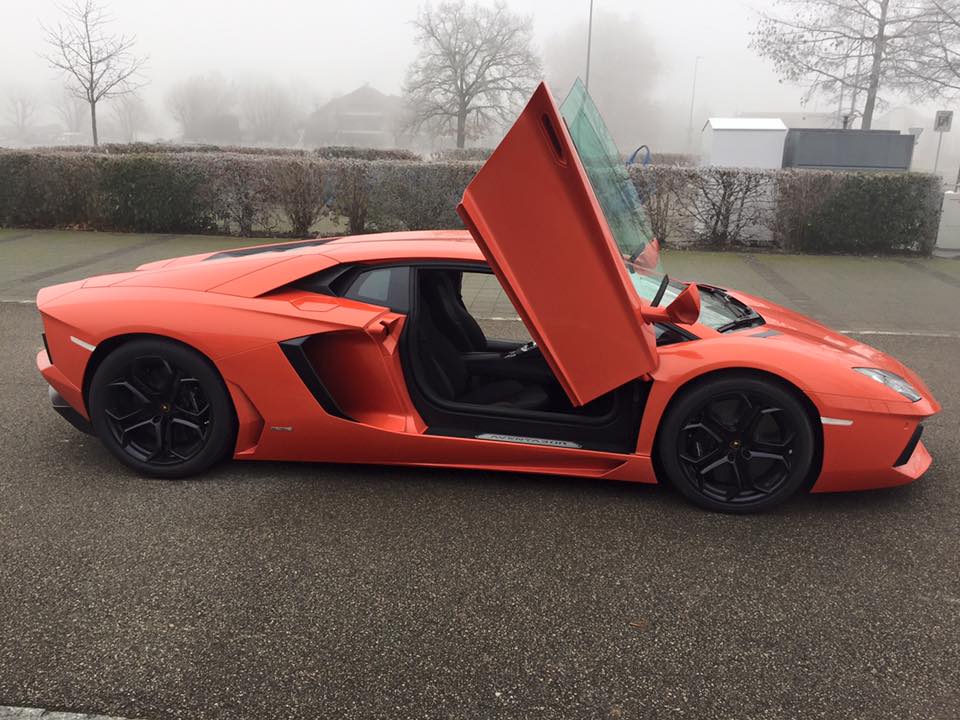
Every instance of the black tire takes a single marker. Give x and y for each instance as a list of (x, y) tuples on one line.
[(737, 444), (162, 408)]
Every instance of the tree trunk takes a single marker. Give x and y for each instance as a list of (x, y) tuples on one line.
[(461, 128), (93, 123), (879, 45)]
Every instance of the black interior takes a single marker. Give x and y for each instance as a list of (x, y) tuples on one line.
[(466, 384)]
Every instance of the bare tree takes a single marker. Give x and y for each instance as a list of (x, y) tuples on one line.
[(21, 111), (71, 110), (725, 204), (131, 115), (98, 65), (860, 47), (475, 65), (268, 111), (934, 63), (202, 105)]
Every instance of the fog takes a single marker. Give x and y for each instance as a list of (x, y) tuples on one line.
[(320, 50)]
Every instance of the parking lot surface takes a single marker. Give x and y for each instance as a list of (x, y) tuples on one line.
[(304, 591)]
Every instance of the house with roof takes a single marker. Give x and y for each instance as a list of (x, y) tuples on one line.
[(365, 117)]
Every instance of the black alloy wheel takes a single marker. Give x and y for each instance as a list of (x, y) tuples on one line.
[(161, 408), (737, 444)]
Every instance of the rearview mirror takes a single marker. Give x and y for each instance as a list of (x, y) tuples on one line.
[(685, 308)]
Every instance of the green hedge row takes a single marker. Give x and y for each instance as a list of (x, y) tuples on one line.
[(244, 194), (806, 211), (329, 152), (260, 194)]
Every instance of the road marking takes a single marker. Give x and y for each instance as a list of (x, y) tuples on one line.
[(940, 275), (890, 333), (792, 292), (93, 260), (900, 333), (11, 238), (12, 712), (893, 333)]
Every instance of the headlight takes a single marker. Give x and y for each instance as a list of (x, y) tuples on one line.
[(892, 381)]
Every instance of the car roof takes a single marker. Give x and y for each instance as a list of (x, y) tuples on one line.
[(425, 245), (415, 245)]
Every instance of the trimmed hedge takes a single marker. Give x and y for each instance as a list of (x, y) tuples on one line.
[(462, 154), (329, 152), (243, 194), (859, 213), (254, 193), (807, 211)]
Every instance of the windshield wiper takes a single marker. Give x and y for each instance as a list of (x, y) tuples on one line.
[(660, 291), (742, 322)]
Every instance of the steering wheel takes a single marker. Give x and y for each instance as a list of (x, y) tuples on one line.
[(524, 349)]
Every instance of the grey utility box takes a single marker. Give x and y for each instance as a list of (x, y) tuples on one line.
[(830, 149)]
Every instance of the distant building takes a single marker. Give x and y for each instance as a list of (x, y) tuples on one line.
[(920, 123), (365, 117), (801, 119)]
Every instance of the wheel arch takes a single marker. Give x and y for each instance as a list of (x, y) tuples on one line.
[(107, 346), (720, 373)]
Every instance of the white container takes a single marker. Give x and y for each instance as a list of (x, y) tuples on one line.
[(948, 237), (743, 142)]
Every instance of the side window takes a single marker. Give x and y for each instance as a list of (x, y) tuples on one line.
[(485, 299), (387, 286)]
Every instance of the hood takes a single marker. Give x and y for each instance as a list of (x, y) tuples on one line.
[(798, 328)]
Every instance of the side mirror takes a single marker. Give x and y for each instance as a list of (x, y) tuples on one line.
[(685, 308)]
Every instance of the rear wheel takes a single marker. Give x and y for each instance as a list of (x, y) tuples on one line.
[(737, 444), (161, 408)]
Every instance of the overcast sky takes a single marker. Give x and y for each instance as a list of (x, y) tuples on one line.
[(336, 46)]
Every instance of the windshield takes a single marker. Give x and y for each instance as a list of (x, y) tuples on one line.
[(623, 210), (613, 187)]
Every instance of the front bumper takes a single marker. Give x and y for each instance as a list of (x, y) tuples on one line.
[(66, 398), (869, 444), (67, 412)]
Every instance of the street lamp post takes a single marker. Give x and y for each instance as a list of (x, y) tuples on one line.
[(693, 97), (586, 80)]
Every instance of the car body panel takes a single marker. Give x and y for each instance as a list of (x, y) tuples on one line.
[(536, 219)]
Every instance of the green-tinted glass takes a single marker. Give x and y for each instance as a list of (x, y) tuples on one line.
[(607, 173)]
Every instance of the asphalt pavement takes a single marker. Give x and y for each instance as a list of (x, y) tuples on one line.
[(270, 590)]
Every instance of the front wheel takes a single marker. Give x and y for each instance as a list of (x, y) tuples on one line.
[(737, 444), (161, 408)]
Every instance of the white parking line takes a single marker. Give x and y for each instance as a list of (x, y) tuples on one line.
[(901, 333), (10, 712), (891, 333)]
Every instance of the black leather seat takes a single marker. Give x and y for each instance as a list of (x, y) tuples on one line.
[(447, 375), (451, 317)]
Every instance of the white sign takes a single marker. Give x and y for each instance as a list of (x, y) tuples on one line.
[(943, 121)]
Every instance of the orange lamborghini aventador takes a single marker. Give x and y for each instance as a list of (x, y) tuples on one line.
[(364, 349)]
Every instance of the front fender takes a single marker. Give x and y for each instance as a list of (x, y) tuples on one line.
[(863, 421)]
